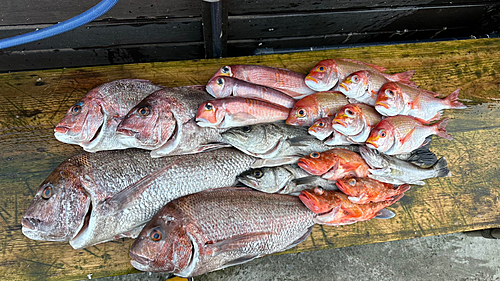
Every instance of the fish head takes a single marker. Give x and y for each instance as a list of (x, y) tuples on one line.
[(373, 158), (252, 138), (226, 70), (303, 112), (322, 128), (323, 76), (210, 114), (268, 179), (82, 122), (150, 124), (355, 85), (350, 185), (220, 86), (318, 163), (381, 137), (60, 206), (163, 244), (390, 100), (349, 120), (318, 200)]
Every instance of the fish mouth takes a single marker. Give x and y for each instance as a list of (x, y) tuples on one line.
[(344, 86), (61, 129), (126, 132), (311, 202), (202, 122), (341, 186), (336, 121), (310, 78), (383, 104), (30, 223), (371, 143), (138, 261)]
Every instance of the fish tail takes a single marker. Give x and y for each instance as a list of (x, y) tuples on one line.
[(403, 188), (395, 199), (452, 100), (441, 167), (405, 77), (441, 129)]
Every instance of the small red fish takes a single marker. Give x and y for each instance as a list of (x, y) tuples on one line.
[(223, 86), (403, 134), (325, 75), (366, 190), (322, 128), (400, 99), (334, 207), (236, 111), (287, 81), (355, 121), (318, 105), (334, 164)]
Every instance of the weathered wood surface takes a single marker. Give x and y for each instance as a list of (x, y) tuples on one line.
[(33, 102)]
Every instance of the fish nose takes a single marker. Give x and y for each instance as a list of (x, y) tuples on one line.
[(61, 129), (127, 132), (30, 223), (138, 258)]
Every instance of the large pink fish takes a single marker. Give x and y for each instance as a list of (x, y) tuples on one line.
[(355, 121), (287, 81), (318, 105), (223, 86), (92, 121), (327, 73), (236, 111), (400, 99), (403, 134)]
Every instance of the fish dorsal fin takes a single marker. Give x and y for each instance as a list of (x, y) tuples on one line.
[(408, 136), (378, 68), (385, 214), (124, 198), (234, 242)]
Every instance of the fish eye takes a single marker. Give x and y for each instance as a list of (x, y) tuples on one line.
[(355, 78), (220, 81), (155, 235), (76, 109), (319, 191), (225, 69), (258, 174), (47, 192), (301, 112), (314, 155), (143, 111), (352, 182), (246, 129), (382, 133), (321, 124), (321, 68), (349, 112), (209, 106), (389, 93)]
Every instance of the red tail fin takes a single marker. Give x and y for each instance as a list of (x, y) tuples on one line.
[(441, 129), (403, 188), (451, 100), (394, 199)]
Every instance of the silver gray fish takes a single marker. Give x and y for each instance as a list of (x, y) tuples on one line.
[(286, 179), (163, 122), (92, 121), (96, 197), (219, 228), (389, 169), (276, 143)]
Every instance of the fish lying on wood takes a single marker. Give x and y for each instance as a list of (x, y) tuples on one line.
[(290, 82), (356, 120), (403, 134), (334, 164), (276, 143), (400, 99), (322, 129), (219, 228), (223, 86), (366, 190), (389, 169), (164, 123), (237, 111), (318, 105), (92, 121), (97, 197), (327, 73), (286, 179), (334, 208)]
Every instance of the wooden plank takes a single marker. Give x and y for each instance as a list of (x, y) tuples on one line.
[(33, 102)]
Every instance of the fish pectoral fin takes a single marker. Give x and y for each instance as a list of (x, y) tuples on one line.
[(240, 260), (300, 239), (211, 146), (408, 136), (380, 172), (124, 198), (386, 179), (235, 242), (243, 117), (309, 180), (259, 163), (303, 141), (385, 214)]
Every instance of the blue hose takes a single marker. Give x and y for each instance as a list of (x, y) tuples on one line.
[(74, 22)]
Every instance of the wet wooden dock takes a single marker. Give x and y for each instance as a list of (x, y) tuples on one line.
[(33, 102)]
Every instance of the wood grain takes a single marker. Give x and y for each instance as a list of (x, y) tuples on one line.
[(31, 103)]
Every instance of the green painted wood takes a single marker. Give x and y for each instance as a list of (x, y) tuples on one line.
[(31, 103)]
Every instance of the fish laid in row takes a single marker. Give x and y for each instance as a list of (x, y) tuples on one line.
[(97, 197)]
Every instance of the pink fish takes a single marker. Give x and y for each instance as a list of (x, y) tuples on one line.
[(318, 105), (400, 99), (287, 81), (223, 86), (355, 121), (236, 111), (325, 75), (403, 134)]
